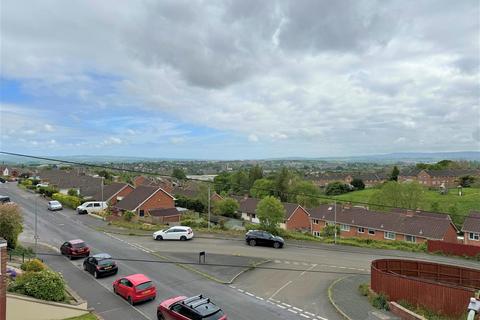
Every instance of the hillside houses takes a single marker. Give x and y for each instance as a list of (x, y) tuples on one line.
[(471, 229), (86, 185), (370, 179), (436, 178)]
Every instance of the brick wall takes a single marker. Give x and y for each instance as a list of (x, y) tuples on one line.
[(159, 200), (299, 220), (470, 242), (123, 193)]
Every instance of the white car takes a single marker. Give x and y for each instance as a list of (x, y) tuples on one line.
[(91, 207), (174, 233), (54, 205)]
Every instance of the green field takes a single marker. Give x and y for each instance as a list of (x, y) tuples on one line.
[(458, 207)]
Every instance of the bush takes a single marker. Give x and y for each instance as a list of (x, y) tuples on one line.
[(48, 191), (72, 192), (44, 285), (336, 188), (197, 223), (34, 265), (22, 251), (11, 223), (380, 301), (364, 289), (329, 231), (128, 215), (69, 201)]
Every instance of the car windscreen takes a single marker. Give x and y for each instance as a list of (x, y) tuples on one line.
[(54, 202), (214, 316), (79, 245), (144, 286), (105, 262)]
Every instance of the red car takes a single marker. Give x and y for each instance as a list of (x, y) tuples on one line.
[(75, 249), (194, 308), (135, 288)]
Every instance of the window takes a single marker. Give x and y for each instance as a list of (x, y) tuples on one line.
[(474, 236), (96, 204), (316, 233), (344, 227), (371, 232), (361, 230), (89, 205), (389, 235), (141, 213), (410, 238), (315, 221), (253, 216)]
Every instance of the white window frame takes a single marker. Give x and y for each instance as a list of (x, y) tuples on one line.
[(344, 227), (315, 221), (387, 235), (474, 236), (362, 230), (316, 233), (413, 238)]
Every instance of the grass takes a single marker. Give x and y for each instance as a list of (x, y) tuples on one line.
[(131, 225), (430, 315), (87, 316), (379, 244), (463, 205)]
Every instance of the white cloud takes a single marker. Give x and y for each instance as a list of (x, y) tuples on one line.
[(253, 138), (177, 140), (49, 127), (112, 141)]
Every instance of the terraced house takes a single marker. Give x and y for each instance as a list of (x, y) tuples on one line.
[(435, 178), (410, 226), (471, 229)]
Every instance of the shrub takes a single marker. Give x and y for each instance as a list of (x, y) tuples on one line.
[(48, 191), (22, 251), (34, 265), (128, 215), (72, 192), (329, 231), (10, 223), (44, 285), (364, 289), (197, 223), (69, 201), (336, 188), (380, 301)]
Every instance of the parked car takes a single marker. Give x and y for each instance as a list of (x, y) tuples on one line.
[(174, 233), (263, 238), (2, 180), (194, 308), (135, 288), (91, 207), (75, 249), (100, 265), (4, 199), (54, 205)]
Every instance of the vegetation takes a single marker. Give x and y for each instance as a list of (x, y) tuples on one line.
[(270, 212), (379, 301), (179, 174), (34, 265), (358, 184), (364, 289), (191, 204), (262, 188), (466, 181), (10, 223), (72, 192), (47, 191), (329, 231), (394, 174), (336, 188), (227, 207), (306, 194), (68, 201), (136, 225), (128, 216), (44, 285), (398, 195), (425, 312), (444, 164), (380, 244)]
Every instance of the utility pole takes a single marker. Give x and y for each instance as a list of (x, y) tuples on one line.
[(335, 222), (36, 234), (102, 191), (209, 207)]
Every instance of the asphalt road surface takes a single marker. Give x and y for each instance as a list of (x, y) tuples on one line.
[(54, 228)]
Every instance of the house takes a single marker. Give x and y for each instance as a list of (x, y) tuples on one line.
[(193, 193), (64, 180), (163, 183), (471, 229), (296, 217), (370, 179), (114, 192), (165, 216), (408, 175), (448, 177), (410, 226), (145, 198), (4, 171)]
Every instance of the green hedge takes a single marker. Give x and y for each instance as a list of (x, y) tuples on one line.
[(33, 265), (69, 201), (44, 285)]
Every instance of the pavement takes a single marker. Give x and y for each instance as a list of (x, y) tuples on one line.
[(348, 301)]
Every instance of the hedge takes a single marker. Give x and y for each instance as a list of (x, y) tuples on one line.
[(69, 201), (44, 285)]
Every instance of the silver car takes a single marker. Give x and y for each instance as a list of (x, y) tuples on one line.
[(54, 205)]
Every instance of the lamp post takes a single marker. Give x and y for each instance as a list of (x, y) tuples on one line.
[(35, 237), (335, 222), (208, 207)]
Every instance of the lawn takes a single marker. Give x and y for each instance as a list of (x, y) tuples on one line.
[(458, 207)]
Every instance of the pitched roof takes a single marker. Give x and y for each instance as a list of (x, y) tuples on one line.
[(87, 185), (166, 212), (452, 172), (472, 223), (138, 196), (109, 190), (422, 224), (185, 192), (290, 209), (249, 205)]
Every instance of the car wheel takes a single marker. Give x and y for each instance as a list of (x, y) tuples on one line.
[(276, 245), (70, 257), (183, 238), (95, 274), (115, 290), (252, 242), (159, 238), (129, 299), (160, 316), (84, 267)]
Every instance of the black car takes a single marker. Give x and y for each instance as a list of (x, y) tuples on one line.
[(100, 265), (263, 238), (4, 199)]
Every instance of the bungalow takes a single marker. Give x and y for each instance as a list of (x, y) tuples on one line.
[(114, 192), (410, 226), (153, 181), (296, 217), (165, 216), (146, 198), (86, 185), (193, 193), (471, 229)]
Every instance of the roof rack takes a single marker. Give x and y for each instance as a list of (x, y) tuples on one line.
[(195, 304), (191, 299)]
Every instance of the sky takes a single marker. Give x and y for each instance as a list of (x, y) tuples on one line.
[(239, 79)]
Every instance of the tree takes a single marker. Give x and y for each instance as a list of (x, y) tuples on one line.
[(399, 195), (106, 174), (222, 183), (227, 207), (262, 188), (394, 174), (254, 174), (336, 188), (466, 181), (306, 194), (282, 183), (10, 223), (358, 184), (179, 174), (240, 182), (270, 212)]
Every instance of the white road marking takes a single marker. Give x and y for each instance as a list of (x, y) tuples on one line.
[(321, 318), (304, 315), (292, 311), (249, 294), (298, 309), (276, 292), (286, 304), (309, 313), (305, 271), (280, 306)]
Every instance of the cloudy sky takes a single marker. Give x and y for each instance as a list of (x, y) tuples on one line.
[(239, 79)]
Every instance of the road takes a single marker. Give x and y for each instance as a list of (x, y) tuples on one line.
[(56, 227)]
